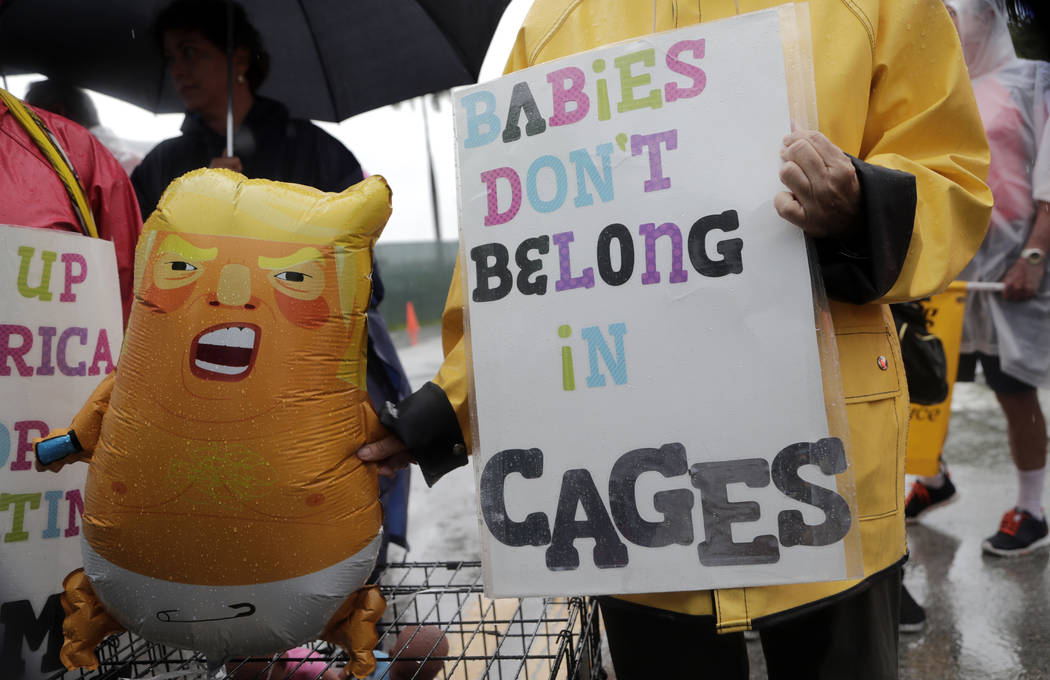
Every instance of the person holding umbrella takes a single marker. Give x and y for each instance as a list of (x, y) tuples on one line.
[(267, 143)]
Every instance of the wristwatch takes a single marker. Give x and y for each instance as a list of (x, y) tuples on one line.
[(1033, 255)]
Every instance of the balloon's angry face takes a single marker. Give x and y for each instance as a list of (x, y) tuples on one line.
[(231, 317)]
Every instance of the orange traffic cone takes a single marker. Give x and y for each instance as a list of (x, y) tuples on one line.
[(411, 323)]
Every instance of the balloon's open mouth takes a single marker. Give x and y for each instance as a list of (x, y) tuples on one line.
[(225, 352), (175, 616)]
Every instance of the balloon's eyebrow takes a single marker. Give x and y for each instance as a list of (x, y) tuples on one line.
[(179, 246), (298, 257)]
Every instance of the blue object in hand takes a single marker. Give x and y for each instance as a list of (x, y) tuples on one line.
[(54, 449)]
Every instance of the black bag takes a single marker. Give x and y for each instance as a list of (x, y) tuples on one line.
[(925, 364)]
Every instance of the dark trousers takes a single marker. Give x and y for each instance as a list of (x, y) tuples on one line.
[(853, 638)]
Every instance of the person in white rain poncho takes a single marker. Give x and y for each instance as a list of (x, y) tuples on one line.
[(1008, 333)]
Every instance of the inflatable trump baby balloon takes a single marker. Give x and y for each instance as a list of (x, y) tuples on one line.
[(224, 509)]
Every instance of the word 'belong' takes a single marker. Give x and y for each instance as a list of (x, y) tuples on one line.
[(572, 94), (711, 253)]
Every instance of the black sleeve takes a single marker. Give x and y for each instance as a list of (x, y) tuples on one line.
[(863, 268), (335, 165), (427, 424), (145, 179)]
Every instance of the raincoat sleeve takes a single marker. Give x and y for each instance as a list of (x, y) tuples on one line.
[(922, 166), (117, 213), (111, 196), (434, 421)]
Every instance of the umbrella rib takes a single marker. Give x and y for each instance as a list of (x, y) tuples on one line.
[(320, 59)]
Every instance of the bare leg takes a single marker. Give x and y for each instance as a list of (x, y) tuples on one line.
[(1026, 428)]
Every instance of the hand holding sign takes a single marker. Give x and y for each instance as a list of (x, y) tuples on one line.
[(823, 196)]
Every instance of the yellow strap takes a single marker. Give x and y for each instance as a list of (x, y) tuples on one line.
[(56, 156)]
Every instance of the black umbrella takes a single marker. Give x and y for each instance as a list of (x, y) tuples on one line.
[(330, 59)]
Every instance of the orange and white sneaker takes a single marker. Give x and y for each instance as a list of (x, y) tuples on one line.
[(1019, 534), (922, 498)]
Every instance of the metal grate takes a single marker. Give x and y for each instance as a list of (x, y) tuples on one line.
[(554, 638)]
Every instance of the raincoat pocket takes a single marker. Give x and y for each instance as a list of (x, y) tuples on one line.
[(875, 392)]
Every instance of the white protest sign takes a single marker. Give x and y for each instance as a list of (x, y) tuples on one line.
[(60, 333), (649, 413)]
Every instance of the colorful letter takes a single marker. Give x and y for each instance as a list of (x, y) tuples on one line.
[(76, 510), (43, 289), (651, 233), (672, 92), (603, 91), (52, 498), (25, 443), (567, 280), (573, 93), (561, 184), (603, 183), (568, 373), (60, 354), (5, 445), (489, 177), (656, 181), (68, 259), (628, 81), (102, 354), (18, 515), (595, 344), (16, 354), (479, 118), (47, 334)]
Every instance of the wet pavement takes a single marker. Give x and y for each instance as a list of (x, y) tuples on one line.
[(988, 618)]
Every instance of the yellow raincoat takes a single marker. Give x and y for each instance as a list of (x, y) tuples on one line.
[(892, 91)]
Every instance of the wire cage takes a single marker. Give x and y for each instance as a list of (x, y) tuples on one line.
[(554, 638)]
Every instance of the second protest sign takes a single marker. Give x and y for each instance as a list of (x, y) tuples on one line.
[(645, 371)]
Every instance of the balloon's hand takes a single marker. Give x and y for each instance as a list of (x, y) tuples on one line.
[(390, 453), (823, 191)]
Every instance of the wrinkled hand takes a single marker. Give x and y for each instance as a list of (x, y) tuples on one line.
[(390, 452), (823, 192), (228, 162), (1022, 281)]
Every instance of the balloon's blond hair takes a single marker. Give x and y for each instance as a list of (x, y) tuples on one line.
[(221, 202)]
